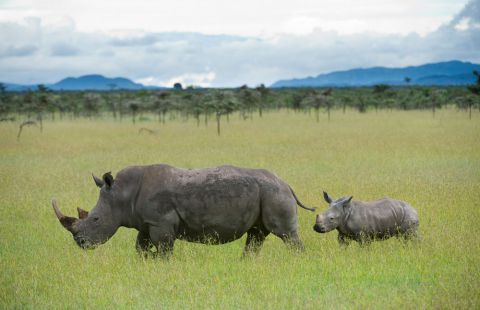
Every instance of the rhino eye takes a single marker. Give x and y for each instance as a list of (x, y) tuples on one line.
[(331, 218), (95, 219)]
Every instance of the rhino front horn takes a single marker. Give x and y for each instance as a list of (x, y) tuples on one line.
[(66, 221)]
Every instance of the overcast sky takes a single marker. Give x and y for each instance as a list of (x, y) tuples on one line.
[(226, 43)]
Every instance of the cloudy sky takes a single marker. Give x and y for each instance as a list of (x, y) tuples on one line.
[(226, 43)]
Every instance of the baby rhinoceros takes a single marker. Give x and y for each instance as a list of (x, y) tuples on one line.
[(367, 221)]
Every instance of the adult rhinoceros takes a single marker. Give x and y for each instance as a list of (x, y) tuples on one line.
[(212, 205)]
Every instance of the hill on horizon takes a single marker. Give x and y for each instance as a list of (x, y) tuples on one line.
[(87, 82), (449, 73), (435, 74)]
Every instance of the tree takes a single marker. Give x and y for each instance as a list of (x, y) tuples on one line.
[(249, 99), (264, 92), (134, 107), (361, 105), (110, 100), (177, 86), (317, 100), (161, 105), (41, 103), (222, 103), (91, 104), (5, 107), (475, 90), (379, 90)]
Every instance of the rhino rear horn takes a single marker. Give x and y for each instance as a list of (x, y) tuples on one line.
[(99, 182), (66, 221), (82, 213)]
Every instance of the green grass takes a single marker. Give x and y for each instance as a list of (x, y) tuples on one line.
[(434, 164)]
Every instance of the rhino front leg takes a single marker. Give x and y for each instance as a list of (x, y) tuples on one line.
[(143, 243), (343, 240), (163, 238)]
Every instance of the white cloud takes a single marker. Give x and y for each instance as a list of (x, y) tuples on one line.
[(188, 79), (245, 18), (37, 50)]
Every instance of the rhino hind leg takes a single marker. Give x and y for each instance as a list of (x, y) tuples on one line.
[(279, 215), (255, 237), (293, 241)]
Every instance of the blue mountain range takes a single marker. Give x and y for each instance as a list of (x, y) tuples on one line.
[(86, 82), (436, 74), (440, 74)]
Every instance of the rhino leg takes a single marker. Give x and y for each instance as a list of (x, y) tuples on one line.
[(143, 243), (255, 237), (411, 235), (163, 238), (343, 240), (279, 215), (293, 240)]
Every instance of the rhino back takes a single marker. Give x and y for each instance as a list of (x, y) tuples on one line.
[(222, 200), (376, 218)]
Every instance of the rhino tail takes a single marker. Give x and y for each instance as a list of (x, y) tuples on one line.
[(300, 203)]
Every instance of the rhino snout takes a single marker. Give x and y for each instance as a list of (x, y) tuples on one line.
[(83, 242), (318, 227)]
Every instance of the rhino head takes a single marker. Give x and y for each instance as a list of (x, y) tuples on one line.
[(333, 217), (97, 226)]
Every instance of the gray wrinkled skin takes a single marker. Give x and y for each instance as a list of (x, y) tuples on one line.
[(367, 221), (212, 205)]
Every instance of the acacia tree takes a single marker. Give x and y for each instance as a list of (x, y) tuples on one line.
[(41, 103), (317, 100), (222, 103), (110, 99), (196, 106), (249, 100), (379, 90), (361, 105), (134, 107), (91, 104), (264, 92), (475, 90), (5, 106), (161, 105)]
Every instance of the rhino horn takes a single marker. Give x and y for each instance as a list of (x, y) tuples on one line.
[(66, 221), (82, 213)]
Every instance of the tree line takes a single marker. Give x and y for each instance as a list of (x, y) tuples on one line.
[(206, 104)]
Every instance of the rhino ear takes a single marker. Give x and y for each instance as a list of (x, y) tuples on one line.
[(326, 197), (108, 179), (99, 182), (345, 203)]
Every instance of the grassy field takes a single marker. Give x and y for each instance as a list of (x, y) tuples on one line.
[(434, 164)]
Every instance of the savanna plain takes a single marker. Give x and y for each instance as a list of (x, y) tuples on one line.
[(431, 162)]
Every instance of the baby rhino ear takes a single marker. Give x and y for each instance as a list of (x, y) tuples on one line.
[(108, 179), (326, 197)]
